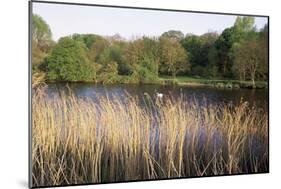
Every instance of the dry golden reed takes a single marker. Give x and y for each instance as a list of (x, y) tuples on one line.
[(79, 140)]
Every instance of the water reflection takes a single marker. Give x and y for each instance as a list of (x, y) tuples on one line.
[(258, 97)]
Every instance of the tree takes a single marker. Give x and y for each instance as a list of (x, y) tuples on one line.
[(68, 61), (173, 35), (151, 54), (133, 54), (213, 62), (207, 43), (87, 39), (118, 50), (263, 37), (174, 56), (41, 41), (244, 24), (41, 32), (248, 64), (142, 58), (239, 65), (97, 49), (249, 58), (223, 46), (192, 44), (198, 48), (107, 65)]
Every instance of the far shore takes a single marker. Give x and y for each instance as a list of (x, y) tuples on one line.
[(186, 81), (218, 83)]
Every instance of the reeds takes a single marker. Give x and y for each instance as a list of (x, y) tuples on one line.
[(78, 140)]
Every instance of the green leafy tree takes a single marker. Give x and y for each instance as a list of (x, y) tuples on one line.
[(213, 62), (108, 63), (97, 48), (198, 48), (250, 57), (244, 24), (87, 39), (68, 61), (118, 49), (173, 35), (207, 43), (41, 32), (41, 41), (151, 53), (192, 44), (250, 50), (239, 66), (223, 47), (263, 37), (133, 54), (143, 59), (174, 56)]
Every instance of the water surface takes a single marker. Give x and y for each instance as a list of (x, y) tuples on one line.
[(216, 96)]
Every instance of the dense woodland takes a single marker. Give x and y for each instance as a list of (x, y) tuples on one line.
[(238, 53)]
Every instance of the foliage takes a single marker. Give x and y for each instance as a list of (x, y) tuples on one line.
[(112, 59), (173, 35), (250, 51), (68, 62), (41, 32), (97, 49), (41, 41), (174, 57), (107, 66), (87, 39), (142, 59), (250, 56), (192, 44), (244, 24), (223, 46), (198, 48)]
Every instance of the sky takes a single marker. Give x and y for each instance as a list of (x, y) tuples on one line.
[(65, 20)]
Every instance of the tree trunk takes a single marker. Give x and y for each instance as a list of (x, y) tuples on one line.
[(224, 67), (253, 83), (253, 73), (174, 75), (253, 79)]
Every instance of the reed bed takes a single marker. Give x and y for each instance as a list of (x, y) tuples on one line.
[(78, 140)]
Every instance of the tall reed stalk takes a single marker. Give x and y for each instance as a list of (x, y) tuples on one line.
[(78, 140)]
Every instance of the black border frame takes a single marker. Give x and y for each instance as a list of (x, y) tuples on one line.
[(30, 12)]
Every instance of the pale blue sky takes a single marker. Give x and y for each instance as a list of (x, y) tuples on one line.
[(68, 19)]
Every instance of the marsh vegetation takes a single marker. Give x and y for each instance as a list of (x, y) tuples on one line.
[(76, 140)]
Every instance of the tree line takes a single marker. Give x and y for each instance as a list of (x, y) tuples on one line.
[(239, 52)]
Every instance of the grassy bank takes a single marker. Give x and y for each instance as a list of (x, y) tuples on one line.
[(223, 83), (78, 141), (38, 78)]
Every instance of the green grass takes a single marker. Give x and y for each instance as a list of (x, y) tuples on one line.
[(168, 80), (211, 82)]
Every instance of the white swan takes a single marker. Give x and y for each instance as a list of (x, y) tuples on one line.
[(159, 95)]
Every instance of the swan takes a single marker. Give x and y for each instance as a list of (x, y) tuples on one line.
[(159, 95)]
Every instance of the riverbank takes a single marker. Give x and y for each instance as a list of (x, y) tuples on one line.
[(168, 80), (191, 81)]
